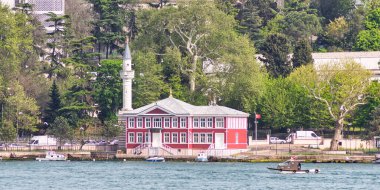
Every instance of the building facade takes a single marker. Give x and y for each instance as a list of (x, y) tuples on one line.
[(176, 127)]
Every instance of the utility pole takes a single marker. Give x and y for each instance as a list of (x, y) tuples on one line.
[(257, 116)]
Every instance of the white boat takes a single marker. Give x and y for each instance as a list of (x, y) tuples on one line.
[(155, 159), (377, 159), (202, 157), (293, 166), (52, 156)]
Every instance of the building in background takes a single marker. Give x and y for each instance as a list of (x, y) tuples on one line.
[(40, 8)]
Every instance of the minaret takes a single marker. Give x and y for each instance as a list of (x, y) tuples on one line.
[(127, 74)]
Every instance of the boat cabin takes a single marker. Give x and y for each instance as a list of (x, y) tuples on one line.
[(291, 165)]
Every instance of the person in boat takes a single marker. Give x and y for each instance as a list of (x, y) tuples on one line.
[(299, 166)]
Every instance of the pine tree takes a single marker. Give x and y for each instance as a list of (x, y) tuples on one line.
[(250, 21), (275, 51), (302, 54), (54, 105)]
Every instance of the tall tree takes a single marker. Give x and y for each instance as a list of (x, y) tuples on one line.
[(108, 89), (340, 86), (275, 52), (334, 9), (302, 54), (54, 106), (61, 130)]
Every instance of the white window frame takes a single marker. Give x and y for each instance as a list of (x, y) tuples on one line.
[(158, 123), (209, 138), (183, 122), (166, 122), (202, 122), (219, 122), (131, 122), (174, 122), (195, 122), (209, 122), (183, 138), (175, 140), (166, 137), (202, 138), (148, 123), (195, 138), (131, 137), (147, 137), (139, 122), (139, 137)]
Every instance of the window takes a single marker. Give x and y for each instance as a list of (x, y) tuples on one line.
[(131, 137), (131, 122), (203, 138), (195, 122), (195, 137), (203, 122), (157, 123), (174, 122), (139, 137), (167, 122), (147, 122), (183, 137), (139, 122), (209, 138), (166, 137), (147, 138), (174, 137), (209, 122), (183, 122), (236, 138), (219, 123)]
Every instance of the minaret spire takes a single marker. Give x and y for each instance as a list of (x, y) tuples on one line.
[(127, 74)]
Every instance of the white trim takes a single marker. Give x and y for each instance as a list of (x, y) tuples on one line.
[(174, 133), (174, 118), (181, 142), (166, 133), (137, 137), (131, 134), (139, 122)]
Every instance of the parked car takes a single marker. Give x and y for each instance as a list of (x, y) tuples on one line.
[(276, 140)]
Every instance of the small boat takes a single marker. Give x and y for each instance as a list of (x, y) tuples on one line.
[(155, 159), (52, 156), (202, 157), (293, 166)]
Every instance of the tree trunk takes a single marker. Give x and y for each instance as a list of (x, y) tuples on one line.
[(337, 135), (193, 73)]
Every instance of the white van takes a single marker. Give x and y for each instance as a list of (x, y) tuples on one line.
[(44, 140), (306, 135)]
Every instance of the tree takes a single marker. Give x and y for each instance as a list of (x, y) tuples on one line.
[(374, 124), (334, 9), (54, 106), (340, 86), (275, 52), (61, 129), (111, 129), (336, 31), (249, 21), (81, 17), (108, 89), (7, 132), (302, 54), (368, 40), (373, 19)]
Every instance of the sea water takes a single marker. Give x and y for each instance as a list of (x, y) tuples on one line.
[(85, 175)]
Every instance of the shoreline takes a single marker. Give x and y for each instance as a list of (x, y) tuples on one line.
[(249, 158)]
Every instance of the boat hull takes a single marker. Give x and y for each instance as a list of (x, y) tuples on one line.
[(48, 159), (155, 159), (201, 160), (296, 171)]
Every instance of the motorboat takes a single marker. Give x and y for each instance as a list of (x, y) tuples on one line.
[(52, 156), (155, 159), (202, 157), (293, 166)]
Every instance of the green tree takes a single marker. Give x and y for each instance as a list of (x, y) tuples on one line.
[(373, 19), (111, 129), (275, 51), (368, 40), (340, 86), (374, 124), (61, 130), (7, 132), (108, 89), (249, 21), (334, 9), (302, 54), (55, 104)]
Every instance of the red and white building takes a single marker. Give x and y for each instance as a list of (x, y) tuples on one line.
[(176, 127)]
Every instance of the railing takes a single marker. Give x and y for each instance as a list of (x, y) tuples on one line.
[(140, 148), (169, 149)]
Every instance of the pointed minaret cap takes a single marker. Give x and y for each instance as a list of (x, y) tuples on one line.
[(127, 52)]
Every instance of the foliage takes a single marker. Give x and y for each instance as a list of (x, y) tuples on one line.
[(249, 21), (7, 132), (374, 124), (340, 86), (337, 29), (368, 40), (111, 129), (61, 130), (302, 54), (373, 19), (275, 51), (108, 89), (55, 104), (335, 9)]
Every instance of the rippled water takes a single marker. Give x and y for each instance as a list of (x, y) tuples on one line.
[(180, 175)]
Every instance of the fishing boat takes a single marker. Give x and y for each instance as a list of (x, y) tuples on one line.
[(293, 166), (202, 157), (52, 156), (155, 159)]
